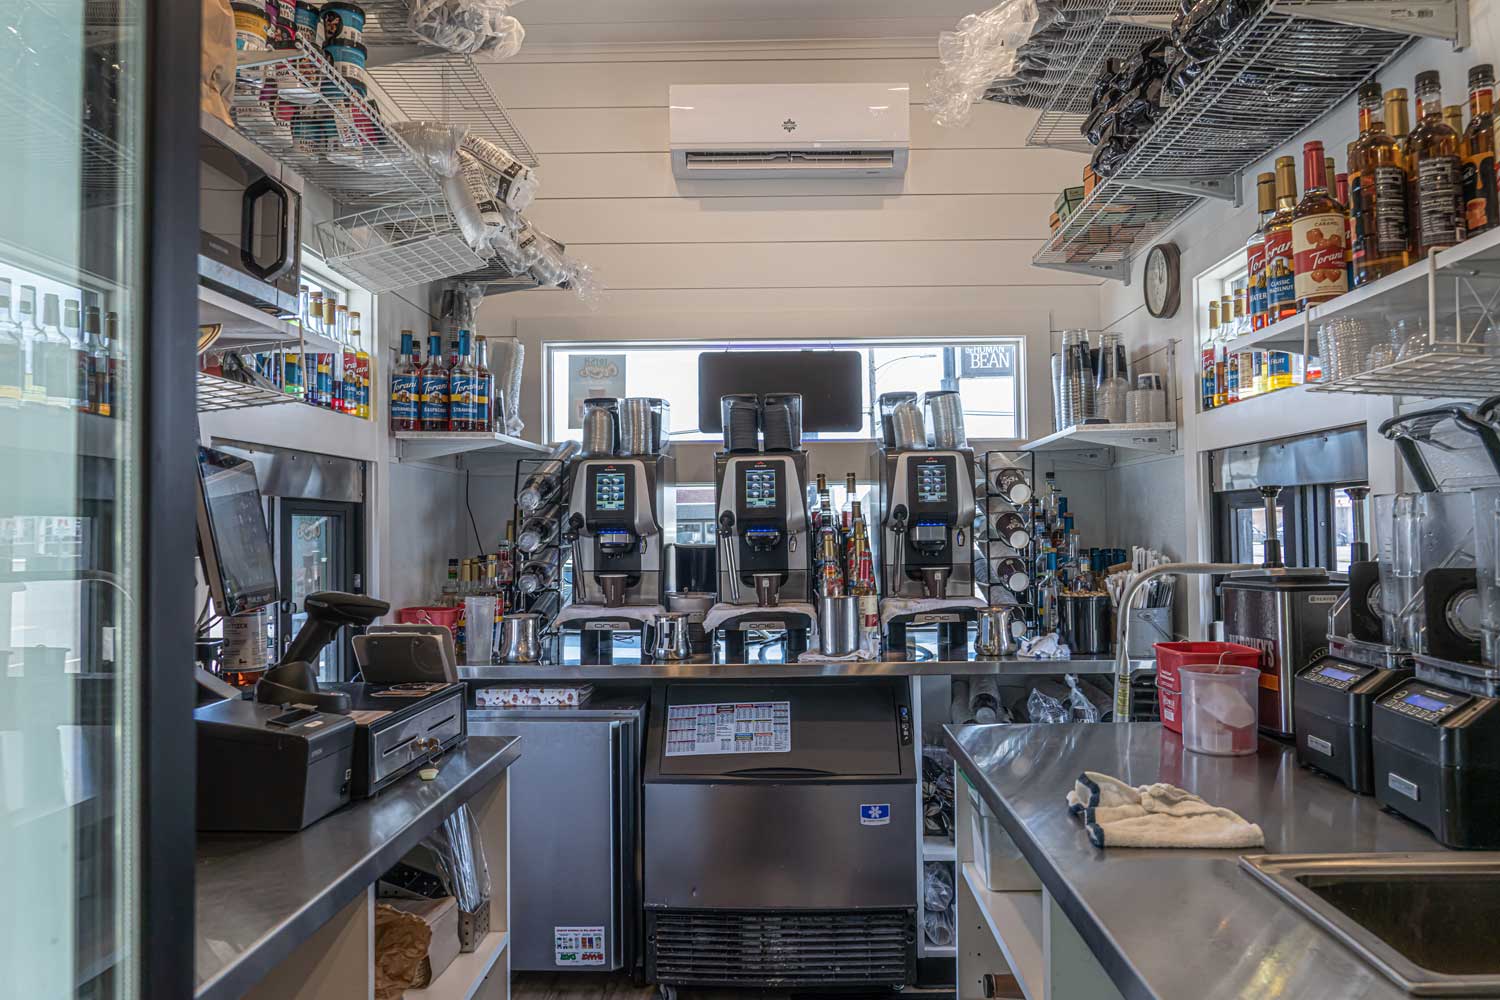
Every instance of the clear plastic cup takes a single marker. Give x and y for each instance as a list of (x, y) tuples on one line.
[(1220, 708), (479, 630)]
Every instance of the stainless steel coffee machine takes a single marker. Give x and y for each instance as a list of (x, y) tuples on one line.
[(927, 510), (765, 549), (621, 514)]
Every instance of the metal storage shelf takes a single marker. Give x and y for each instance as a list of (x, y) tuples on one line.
[(1283, 70), (1448, 303), (395, 246), (1114, 222), (216, 393), (339, 142), (450, 87), (1289, 334)]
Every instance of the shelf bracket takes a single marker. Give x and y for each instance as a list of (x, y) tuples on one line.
[(1445, 19), (1113, 270), (1222, 188)]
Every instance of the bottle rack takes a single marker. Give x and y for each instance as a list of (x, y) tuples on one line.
[(1282, 70), (996, 549)]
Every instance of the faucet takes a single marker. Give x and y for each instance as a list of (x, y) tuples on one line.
[(1122, 623)]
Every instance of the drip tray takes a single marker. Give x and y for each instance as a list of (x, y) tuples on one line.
[(1427, 921)]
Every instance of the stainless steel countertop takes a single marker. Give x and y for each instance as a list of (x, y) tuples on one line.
[(779, 671), (258, 896), (1183, 924)]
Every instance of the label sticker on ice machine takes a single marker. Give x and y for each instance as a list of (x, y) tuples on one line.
[(734, 727), (578, 945), (875, 814)]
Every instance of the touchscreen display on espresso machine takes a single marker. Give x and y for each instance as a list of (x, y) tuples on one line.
[(609, 492), (760, 489)]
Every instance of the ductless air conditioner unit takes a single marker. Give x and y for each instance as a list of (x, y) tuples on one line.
[(790, 129)]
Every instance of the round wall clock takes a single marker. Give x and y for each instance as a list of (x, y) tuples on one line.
[(1163, 280)]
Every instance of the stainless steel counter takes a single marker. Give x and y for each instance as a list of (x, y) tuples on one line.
[(1183, 924), (258, 896), (781, 671)]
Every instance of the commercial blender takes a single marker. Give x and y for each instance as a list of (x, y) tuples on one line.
[(1332, 698), (1436, 737), (927, 510), (622, 512), (765, 564)]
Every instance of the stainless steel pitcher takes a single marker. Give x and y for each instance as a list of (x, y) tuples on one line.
[(670, 631), (520, 638), (1000, 631)]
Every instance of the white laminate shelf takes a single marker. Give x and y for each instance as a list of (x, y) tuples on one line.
[(424, 446), (1104, 444), (463, 977), (1015, 921)]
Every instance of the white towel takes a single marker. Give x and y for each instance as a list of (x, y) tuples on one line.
[(1156, 815)]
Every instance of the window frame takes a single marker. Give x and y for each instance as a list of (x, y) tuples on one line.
[(552, 349)]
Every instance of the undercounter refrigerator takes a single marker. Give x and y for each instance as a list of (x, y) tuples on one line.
[(780, 828), (574, 833)]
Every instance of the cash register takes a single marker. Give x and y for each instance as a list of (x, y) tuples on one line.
[(299, 750)]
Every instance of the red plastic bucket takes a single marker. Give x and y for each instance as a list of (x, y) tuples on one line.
[(1172, 655)]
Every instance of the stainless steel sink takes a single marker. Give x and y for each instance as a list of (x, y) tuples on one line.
[(1427, 921)]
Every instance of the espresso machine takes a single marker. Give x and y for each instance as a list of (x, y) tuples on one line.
[(1436, 736), (621, 515), (765, 558), (927, 510), (1332, 699)]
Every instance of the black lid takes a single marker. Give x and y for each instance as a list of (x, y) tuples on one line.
[(1480, 75), (1370, 91), (1428, 76)]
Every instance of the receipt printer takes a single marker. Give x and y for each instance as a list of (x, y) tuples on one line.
[(271, 768)]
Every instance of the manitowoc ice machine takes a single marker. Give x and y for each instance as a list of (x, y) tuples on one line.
[(780, 827)]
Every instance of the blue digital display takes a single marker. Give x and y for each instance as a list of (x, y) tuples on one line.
[(1337, 674), (1422, 701), (760, 489), (609, 492)]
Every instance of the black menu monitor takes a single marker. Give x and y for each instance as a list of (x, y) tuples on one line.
[(233, 540), (830, 383)]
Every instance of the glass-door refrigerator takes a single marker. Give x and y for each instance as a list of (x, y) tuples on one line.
[(97, 433)]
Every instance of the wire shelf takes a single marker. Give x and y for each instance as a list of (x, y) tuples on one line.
[(1457, 371), (216, 393), (337, 140), (497, 277), (1110, 227), (1279, 74), (451, 88), (395, 246), (1066, 90)]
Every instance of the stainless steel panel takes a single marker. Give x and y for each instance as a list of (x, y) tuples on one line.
[(1337, 456), (1290, 628), (305, 475), (572, 833), (781, 846)]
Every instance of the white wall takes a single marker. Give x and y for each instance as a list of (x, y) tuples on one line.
[(945, 251), (1208, 235)]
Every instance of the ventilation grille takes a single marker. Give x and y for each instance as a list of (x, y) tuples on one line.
[(869, 159), (773, 950)]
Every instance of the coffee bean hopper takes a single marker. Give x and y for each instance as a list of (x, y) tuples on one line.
[(1436, 736)]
